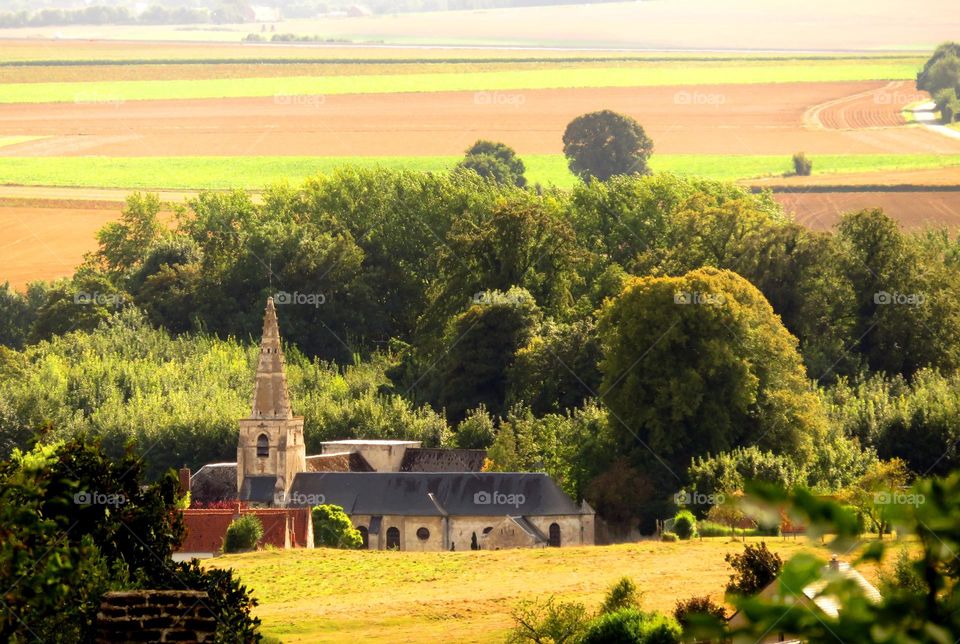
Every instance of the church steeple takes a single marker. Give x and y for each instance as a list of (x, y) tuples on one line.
[(270, 397)]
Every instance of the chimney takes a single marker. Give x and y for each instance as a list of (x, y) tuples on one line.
[(184, 475)]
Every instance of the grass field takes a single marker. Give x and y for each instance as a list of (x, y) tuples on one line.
[(211, 173), (652, 74), (382, 596)]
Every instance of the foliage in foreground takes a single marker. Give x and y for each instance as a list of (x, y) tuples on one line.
[(243, 533)]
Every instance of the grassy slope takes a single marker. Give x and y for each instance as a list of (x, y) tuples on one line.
[(631, 76), (325, 595), (257, 172)]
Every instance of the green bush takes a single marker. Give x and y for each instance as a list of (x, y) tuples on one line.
[(714, 529), (669, 536), (332, 528), (622, 594), (685, 524), (753, 569), (632, 626), (243, 534), (802, 166), (699, 606)]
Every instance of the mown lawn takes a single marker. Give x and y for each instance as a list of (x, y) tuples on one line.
[(257, 172), (649, 74), (329, 595)]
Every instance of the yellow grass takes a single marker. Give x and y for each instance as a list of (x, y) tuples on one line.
[(328, 595)]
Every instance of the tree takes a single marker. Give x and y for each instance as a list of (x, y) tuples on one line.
[(700, 364), (476, 431), (942, 70), (623, 594), (125, 243), (16, 317), (753, 569), (243, 533), (497, 161), (603, 144), (548, 622), (687, 611), (877, 490), (632, 626), (332, 528)]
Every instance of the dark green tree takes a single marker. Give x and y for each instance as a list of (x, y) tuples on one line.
[(497, 161), (604, 144)]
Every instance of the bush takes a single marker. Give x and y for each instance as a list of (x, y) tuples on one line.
[(622, 594), (669, 536), (332, 528), (548, 621), (802, 166), (243, 534), (630, 626), (702, 605), (685, 524), (754, 569)]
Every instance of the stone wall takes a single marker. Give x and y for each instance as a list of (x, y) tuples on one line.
[(155, 616)]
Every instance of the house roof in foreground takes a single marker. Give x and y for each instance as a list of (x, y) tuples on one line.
[(436, 493)]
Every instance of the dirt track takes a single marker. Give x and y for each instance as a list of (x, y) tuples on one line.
[(718, 119)]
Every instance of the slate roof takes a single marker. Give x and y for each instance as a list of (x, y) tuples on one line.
[(338, 462), (437, 493), (426, 459), (214, 482), (258, 489)]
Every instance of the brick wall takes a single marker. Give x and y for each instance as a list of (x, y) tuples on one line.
[(155, 616), (282, 527)]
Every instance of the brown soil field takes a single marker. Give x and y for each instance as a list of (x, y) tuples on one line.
[(949, 176), (822, 210), (718, 119), (873, 108)]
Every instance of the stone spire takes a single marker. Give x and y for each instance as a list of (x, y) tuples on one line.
[(270, 398)]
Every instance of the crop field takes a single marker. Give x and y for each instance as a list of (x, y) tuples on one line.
[(219, 173), (381, 596)]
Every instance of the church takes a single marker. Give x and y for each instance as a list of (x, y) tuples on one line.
[(398, 494)]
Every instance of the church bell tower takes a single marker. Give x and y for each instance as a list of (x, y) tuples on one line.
[(271, 438)]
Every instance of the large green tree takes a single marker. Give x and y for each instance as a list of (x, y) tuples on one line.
[(603, 144)]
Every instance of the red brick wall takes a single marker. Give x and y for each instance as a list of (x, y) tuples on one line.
[(205, 529)]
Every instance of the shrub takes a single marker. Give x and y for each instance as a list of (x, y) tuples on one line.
[(243, 534), (702, 605), (685, 524), (802, 166), (629, 626), (753, 569), (548, 621), (332, 528), (622, 594), (669, 536)]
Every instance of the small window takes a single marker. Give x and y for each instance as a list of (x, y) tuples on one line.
[(263, 446), (393, 538), (423, 534), (488, 529), (365, 535)]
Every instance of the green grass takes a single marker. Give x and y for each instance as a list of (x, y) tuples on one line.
[(212, 173), (513, 80), (381, 596)]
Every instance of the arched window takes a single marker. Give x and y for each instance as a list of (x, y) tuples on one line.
[(263, 445), (365, 535), (554, 535), (423, 534), (393, 539), (488, 529)]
